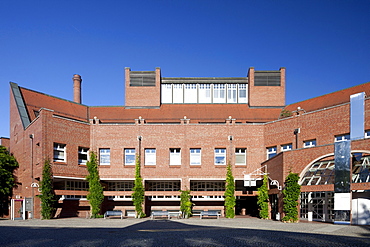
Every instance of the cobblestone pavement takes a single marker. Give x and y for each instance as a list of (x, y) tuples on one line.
[(183, 232)]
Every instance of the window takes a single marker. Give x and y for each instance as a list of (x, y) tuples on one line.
[(271, 152), (175, 156), (130, 156), (190, 93), (150, 157), (242, 93), (166, 91), (367, 134), (340, 138), (178, 94), (60, 152), (219, 93), (309, 143), (205, 93), (195, 156), (83, 154), (220, 156), (286, 147), (240, 156), (104, 154), (231, 93)]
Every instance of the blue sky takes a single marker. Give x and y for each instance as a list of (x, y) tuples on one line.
[(324, 45)]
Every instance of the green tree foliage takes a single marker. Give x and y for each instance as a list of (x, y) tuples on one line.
[(229, 193), (7, 180), (285, 113), (291, 195), (95, 195), (263, 198), (48, 198), (138, 194), (185, 203)]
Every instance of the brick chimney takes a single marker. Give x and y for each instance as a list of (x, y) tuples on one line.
[(77, 88)]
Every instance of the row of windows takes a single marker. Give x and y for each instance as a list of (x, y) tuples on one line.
[(60, 154), (204, 93), (150, 157), (272, 151)]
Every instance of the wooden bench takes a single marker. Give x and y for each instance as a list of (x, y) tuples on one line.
[(113, 213), (211, 213), (160, 214)]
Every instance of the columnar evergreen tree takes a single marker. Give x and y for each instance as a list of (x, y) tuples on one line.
[(291, 195), (7, 180), (48, 198), (185, 203), (138, 194), (95, 195), (229, 193), (263, 198)]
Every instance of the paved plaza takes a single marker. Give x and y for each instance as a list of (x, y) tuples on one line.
[(178, 232)]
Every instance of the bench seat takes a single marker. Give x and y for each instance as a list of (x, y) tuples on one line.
[(211, 213), (113, 213)]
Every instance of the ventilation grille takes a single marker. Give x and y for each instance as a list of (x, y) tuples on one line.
[(142, 78), (267, 78)]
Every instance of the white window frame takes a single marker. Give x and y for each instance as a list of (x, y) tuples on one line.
[(175, 156), (232, 93), (271, 152), (219, 93), (178, 93), (166, 91), (130, 156), (82, 151), (242, 87), (220, 156), (309, 143), (340, 138), (195, 156), (367, 133), (104, 156), (190, 93), (241, 153), (286, 147), (60, 152), (150, 158), (204, 94)]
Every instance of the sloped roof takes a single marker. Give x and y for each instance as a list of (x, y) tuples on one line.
[(35, 101), (332, 99), (195, 112)]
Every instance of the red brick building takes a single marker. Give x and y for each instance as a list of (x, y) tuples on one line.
[(186, 130)]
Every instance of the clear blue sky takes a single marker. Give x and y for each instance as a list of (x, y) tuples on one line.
[(324, 45)]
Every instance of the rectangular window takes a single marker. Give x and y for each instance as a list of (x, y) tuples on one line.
[(130, 156), (220, 156), (271, 152), (309, 143), (367, 134), (83, 154), (195, 156), (190, 93), (166, 91), (242, 93), (340, 138), (150, 157), (205, 93), (240, 156), (286, 147), (104, 155), (175, 156), (231, 93), (60, 154), (178, 93), (219, 93)]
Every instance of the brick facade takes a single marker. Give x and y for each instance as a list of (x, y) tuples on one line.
[(252, 127)]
